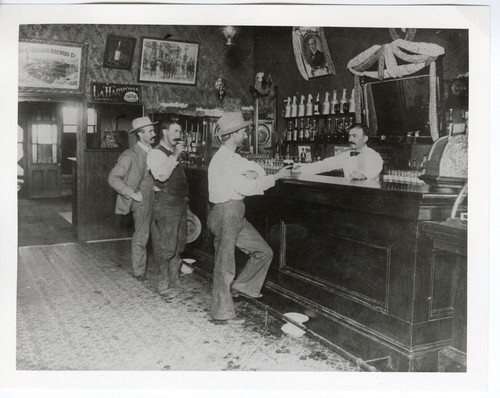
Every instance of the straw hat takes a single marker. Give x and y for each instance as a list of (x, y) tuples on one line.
[(230, 122), (193, 227), (141, 122)]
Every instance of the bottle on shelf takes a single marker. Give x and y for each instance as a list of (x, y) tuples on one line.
[(309, 105), (343, 130), (328, 133), (352, 102), (317, 106), (338, 130), (334, 106), (344, 104), (289, 132), (295, 131), (301, 130), (319, 130), (313, 131), (307, 132), (326, 104), (302, 107), (288, 107), (294, 107)]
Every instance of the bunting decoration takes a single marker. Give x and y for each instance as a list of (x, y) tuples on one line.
[(415, 56)]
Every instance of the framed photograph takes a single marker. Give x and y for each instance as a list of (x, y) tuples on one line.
[(168, 61), (304, 153), (53, 67), (119, 52), (311, 52)]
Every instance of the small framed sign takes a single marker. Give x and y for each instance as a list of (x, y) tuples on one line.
[(116, 93), (119, 52)]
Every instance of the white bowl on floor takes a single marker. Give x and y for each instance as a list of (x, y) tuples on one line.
[(292, 330), (297, 317)]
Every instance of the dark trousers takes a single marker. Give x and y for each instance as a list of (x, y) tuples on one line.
[(230, 228), (169, 214)]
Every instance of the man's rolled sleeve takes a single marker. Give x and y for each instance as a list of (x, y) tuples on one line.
[(161, 165)]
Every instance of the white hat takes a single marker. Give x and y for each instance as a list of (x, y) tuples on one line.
[(141, 122), (230, 122)]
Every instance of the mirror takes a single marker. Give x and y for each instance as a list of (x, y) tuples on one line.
[(398, 107)]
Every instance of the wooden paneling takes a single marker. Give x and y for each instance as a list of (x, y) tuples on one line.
[(96, 199)]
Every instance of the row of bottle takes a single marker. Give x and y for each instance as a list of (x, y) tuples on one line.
[(327, 107), (303, 130)]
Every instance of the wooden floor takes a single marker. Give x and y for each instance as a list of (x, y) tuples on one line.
[(40, 222)]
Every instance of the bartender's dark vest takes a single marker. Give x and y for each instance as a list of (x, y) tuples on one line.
[(176, 184)]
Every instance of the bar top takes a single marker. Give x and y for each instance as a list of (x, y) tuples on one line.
[(321, 180)]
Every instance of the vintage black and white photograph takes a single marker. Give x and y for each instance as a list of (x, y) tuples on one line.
[(168, 61), (311, 52), (154, 234)]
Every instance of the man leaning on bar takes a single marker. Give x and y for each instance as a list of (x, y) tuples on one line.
[(360, 163)]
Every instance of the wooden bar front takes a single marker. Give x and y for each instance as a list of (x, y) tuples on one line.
[(348, 254)]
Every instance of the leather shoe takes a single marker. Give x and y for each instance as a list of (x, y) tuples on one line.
[(235, 321), (168, 293), (232, 321), (237, 293)]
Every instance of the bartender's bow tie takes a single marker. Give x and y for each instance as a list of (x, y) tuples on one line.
[(354, 153)]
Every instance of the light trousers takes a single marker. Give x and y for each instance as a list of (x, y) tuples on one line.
[(230, 228)]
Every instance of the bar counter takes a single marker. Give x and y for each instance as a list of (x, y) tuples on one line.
[(348, 254)]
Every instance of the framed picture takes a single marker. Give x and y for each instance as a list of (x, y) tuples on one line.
[(304, 153), (119, 52), (168, 61), (53, 67), (311, 52)]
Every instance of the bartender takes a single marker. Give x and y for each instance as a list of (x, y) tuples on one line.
[(359, 163)]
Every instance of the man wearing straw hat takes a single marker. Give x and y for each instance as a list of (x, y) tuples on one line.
[(131, 179), (230, 179)]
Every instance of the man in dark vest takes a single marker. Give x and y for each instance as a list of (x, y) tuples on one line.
[(132, 181), (170, 205)]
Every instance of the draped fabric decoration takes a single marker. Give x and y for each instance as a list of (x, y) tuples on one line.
[(300, 34), (416, 55)]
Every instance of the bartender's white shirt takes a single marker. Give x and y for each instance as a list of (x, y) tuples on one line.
[(368, 162), (226, 181)]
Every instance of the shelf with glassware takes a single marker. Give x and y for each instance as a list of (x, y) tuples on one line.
[(319, 125)]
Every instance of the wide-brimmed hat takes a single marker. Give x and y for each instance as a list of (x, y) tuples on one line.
[(230, 122), (141, 122), (193, 227)]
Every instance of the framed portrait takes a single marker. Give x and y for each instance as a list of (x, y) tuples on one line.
[(53, 67), (119, 52), (305, 155), (168, 61), (311, 52)]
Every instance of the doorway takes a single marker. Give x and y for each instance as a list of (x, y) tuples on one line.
[(48, 145)]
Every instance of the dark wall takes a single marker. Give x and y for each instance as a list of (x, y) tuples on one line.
[(274, 55)]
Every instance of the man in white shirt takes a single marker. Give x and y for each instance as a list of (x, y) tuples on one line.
[(231, 178), (360, 163), (170, 205), (132, 181)]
